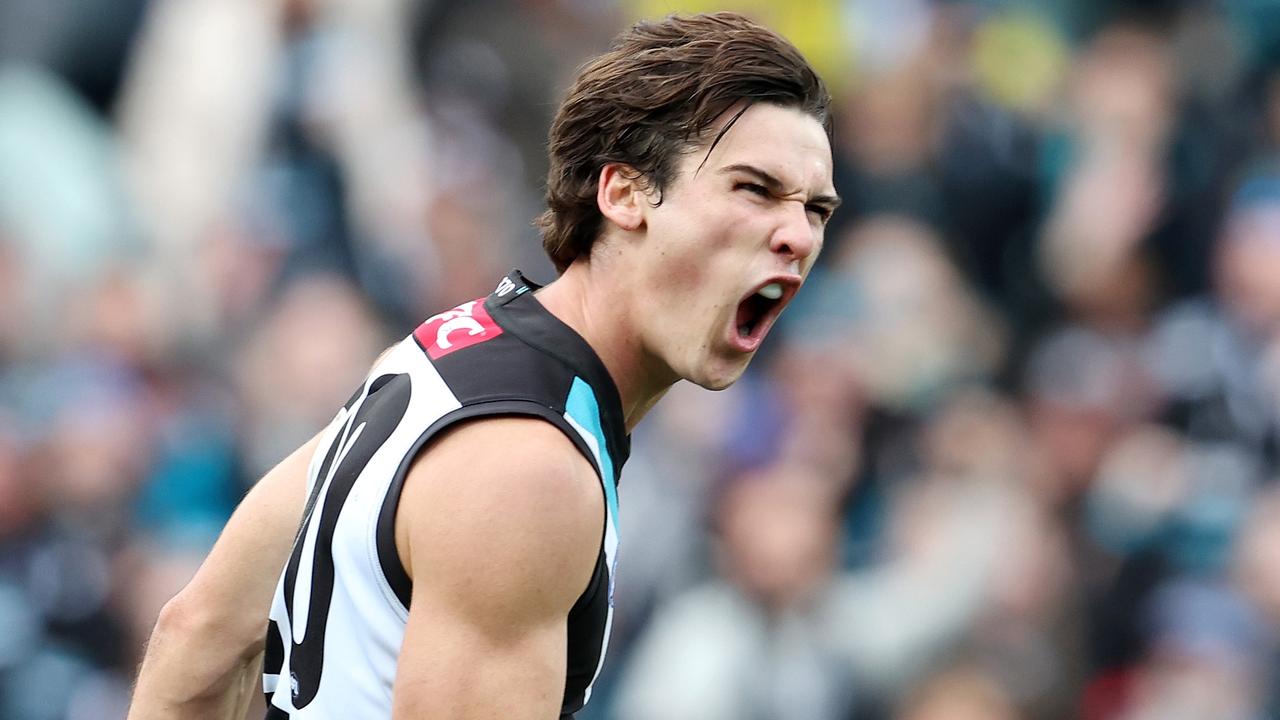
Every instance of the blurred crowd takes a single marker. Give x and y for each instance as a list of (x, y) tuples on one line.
[(1012, 454)]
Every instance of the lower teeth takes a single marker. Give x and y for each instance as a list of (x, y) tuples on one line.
[(743, 331)]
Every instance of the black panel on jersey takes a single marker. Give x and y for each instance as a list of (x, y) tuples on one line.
[(520, 313), (273, 655), (505, 368)]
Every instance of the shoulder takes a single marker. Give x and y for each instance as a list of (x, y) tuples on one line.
[(502, 506), (519, 458)]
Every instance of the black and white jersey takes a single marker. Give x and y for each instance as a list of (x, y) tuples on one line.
[(338, 617)]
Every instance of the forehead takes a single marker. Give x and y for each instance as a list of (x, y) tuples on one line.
[(785, 142)]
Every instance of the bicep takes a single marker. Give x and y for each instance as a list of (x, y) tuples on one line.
[(454, 667), (498, 556)]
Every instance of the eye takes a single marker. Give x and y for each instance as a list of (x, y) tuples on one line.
[(753, 188), (822, 211)]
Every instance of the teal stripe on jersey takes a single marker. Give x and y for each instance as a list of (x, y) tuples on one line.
[(583, 409)]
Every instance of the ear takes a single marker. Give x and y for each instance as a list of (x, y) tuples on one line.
[(621, 196)]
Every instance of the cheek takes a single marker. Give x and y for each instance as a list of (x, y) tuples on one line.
[(680, 264), (696, 264), (683, 271)]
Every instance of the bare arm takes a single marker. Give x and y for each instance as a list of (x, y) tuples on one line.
[(204, 654), (500, 522)]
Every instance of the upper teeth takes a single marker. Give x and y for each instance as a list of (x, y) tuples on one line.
[(772, 291)]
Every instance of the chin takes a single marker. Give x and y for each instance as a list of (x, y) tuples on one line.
[(717, 378), (717, 384)]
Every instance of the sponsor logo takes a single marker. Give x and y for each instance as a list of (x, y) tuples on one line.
[(505, 287), (461, 327)]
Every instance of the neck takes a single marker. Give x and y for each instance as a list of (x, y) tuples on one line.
[(592, 300)]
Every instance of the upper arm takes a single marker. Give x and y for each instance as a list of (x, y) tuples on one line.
[(499, 525)]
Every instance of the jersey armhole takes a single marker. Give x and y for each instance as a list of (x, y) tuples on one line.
[(397, 586)]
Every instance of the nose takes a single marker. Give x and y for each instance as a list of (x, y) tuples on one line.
[(794, 237)]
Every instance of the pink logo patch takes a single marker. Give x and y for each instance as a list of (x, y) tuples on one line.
[(464, 326)]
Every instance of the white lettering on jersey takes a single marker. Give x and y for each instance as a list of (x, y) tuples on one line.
[(451, 321), (504, 287), (469, 324)]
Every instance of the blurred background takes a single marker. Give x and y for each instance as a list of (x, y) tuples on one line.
[(1011, 456)]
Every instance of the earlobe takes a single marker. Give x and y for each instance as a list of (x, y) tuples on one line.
[(621, 196)]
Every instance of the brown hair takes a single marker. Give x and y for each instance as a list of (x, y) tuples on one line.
[(652, 96)]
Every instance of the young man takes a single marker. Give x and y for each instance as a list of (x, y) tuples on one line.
[(458, 538)]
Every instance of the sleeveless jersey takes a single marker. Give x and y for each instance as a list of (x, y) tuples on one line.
[(338, 616)]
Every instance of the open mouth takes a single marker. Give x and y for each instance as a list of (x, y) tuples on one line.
[(758, 310)]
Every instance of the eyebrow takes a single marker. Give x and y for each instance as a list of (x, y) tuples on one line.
[(775, 185)]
